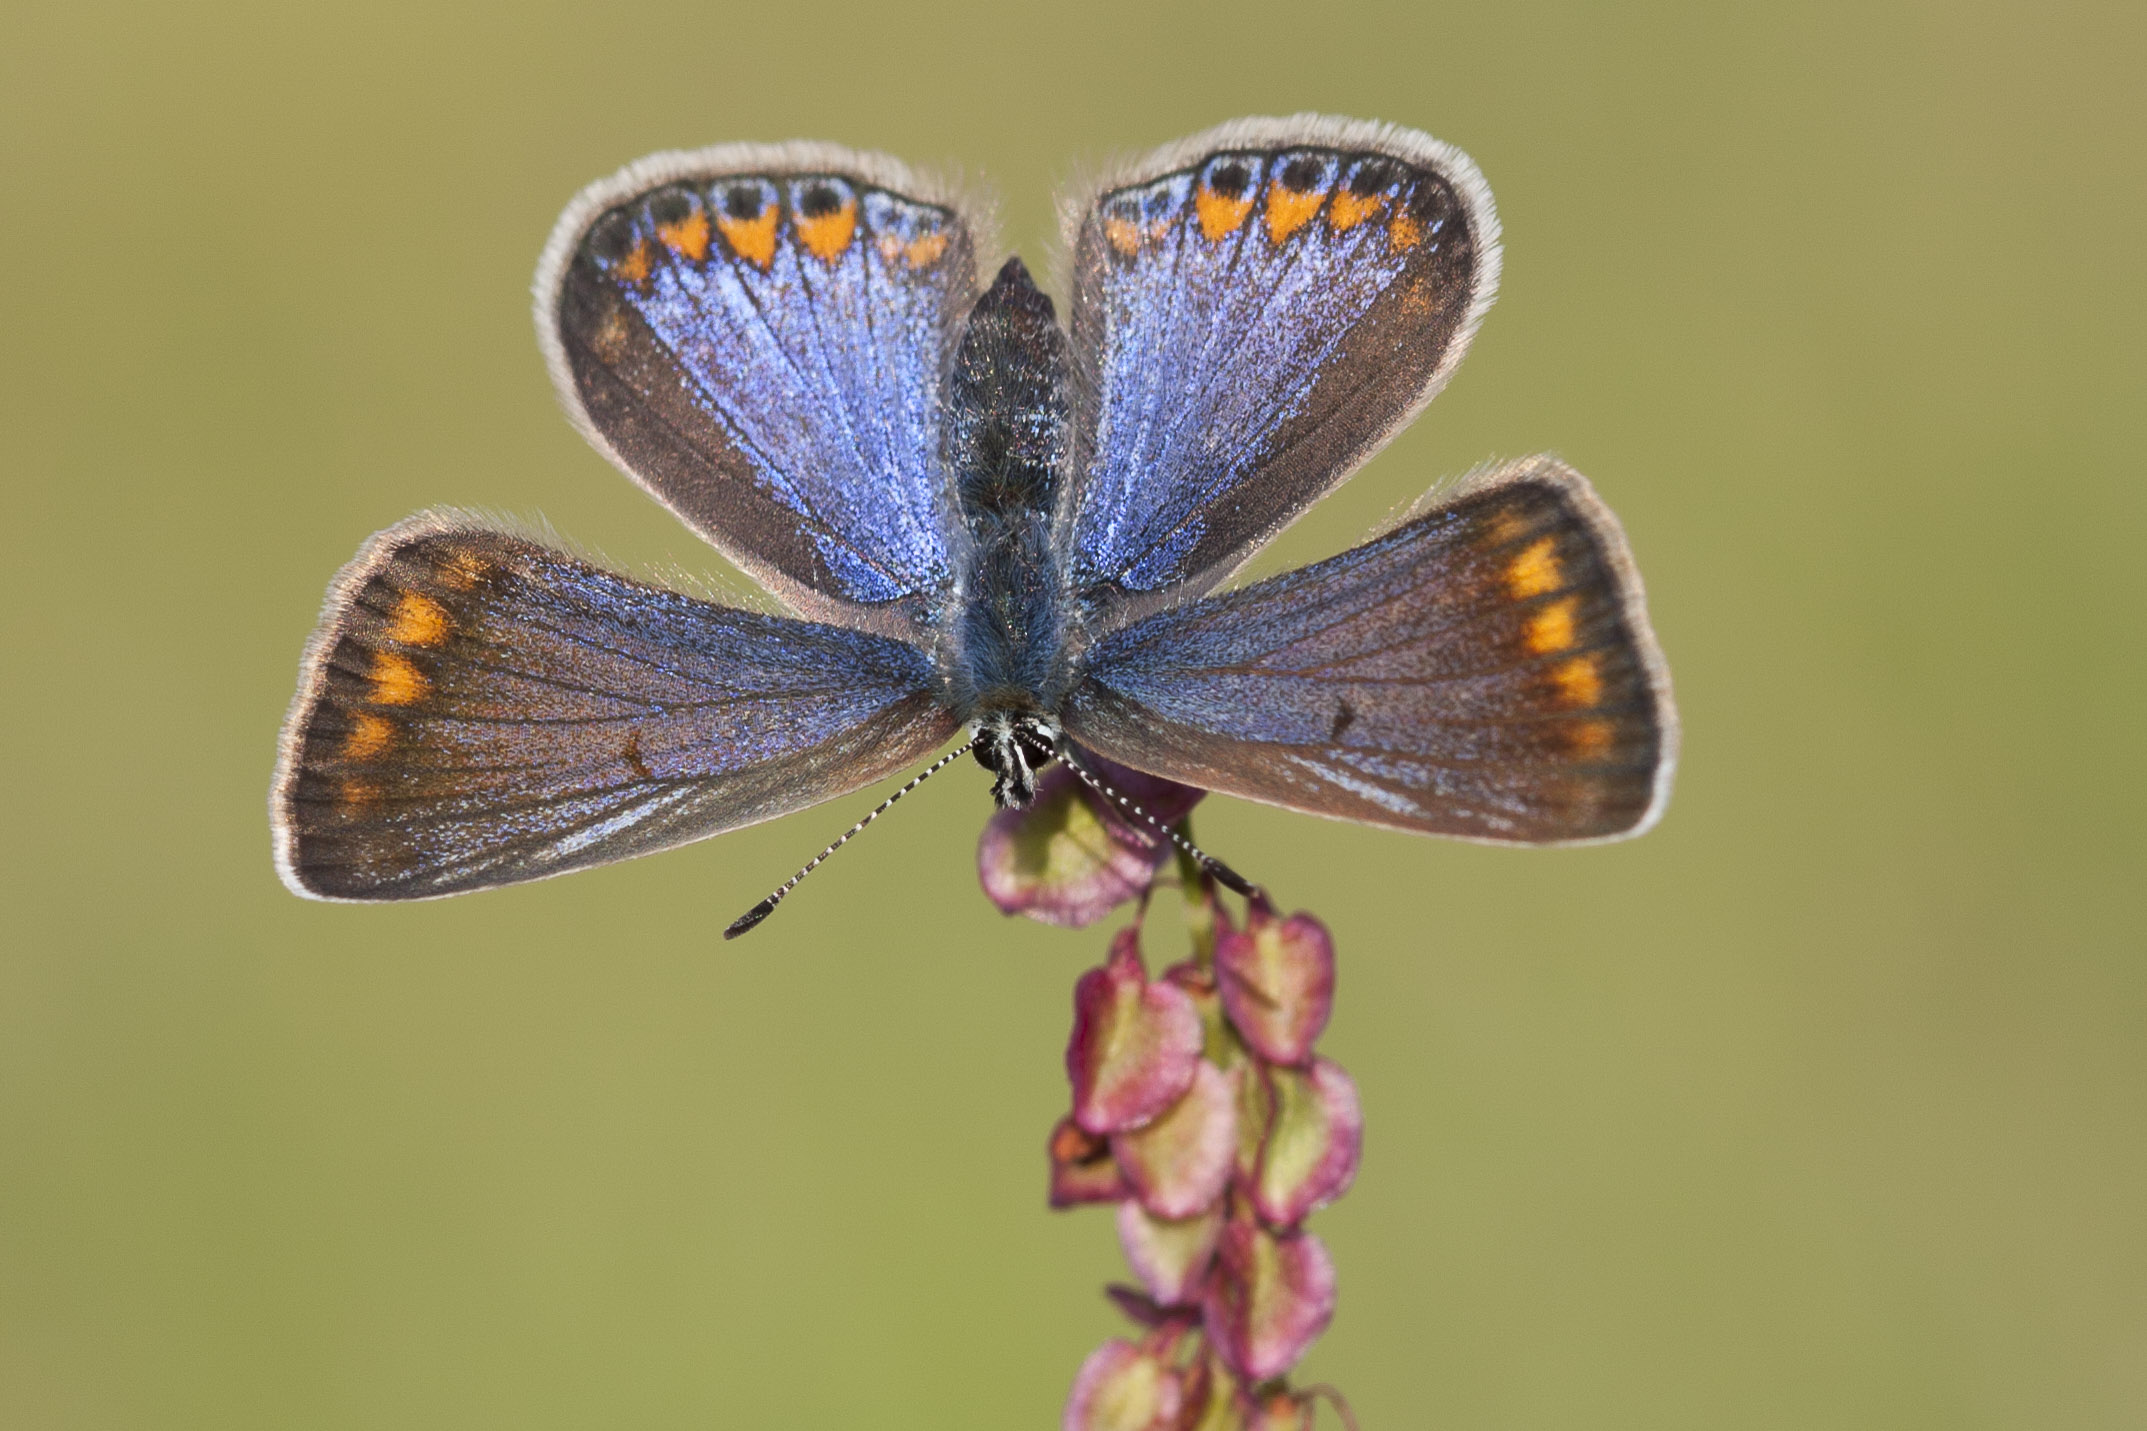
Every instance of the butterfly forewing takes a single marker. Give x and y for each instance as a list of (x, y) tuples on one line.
[(1485, 670), (1256, 310), (478, 709), (756, 335)]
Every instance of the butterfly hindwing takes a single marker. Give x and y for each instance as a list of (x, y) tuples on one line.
[(1485, 670), (1256, 310), (478, 709), (756, 335)]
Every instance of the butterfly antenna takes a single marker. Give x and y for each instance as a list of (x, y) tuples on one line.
[(1229, 878), (767, 906)]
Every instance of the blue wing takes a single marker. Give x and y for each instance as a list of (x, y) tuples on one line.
[(1256, 310), (756, 336), (477, 709), (1484, 671)]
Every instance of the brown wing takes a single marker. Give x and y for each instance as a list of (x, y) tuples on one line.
[(756, 334), (1485, 670), (477, 709)]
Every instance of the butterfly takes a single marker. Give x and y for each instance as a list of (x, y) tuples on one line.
[(978, 517)]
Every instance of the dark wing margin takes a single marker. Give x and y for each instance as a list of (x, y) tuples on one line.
[(756, 334), (476, 709), (1256, 310), (1485, 671)]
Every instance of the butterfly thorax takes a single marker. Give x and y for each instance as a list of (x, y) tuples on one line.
[(1004, 439)]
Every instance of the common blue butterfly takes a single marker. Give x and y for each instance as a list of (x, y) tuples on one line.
[(980, 518)]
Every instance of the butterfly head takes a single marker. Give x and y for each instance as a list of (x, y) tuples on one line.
[(1013, 745)]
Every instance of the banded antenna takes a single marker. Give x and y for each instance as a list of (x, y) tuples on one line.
[(767, 906), (1229, 878)]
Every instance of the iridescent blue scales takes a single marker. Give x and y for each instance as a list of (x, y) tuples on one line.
[(982, 519), (1256, 323), (763, 354)]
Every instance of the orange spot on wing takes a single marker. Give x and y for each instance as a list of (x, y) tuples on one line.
[(609, 339), (1288, 211), (418, 620), (464, 570), (397, 681), (1219, 213), (635, 265), (1350, 210), (920, 252), (1403, 232), (688, 238), (751, 239), (368, 736), (1124, 235), (1506, 527), (1535, 571), (1551, 629), (1579, 681), (1590, 739), (359, 795), (827, 235)]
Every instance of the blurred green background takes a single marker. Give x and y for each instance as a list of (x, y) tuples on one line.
[(1821, 1106)]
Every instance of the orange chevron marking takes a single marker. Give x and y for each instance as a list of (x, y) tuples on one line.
[(397, 681), (1535, 571), (1349, 210), (1551, 629), (825, 236), (688, 238), (751, 239), (368, 736), (1288, 211), (1219, 213), (418, 620), (1579, 682), (1403, 233), (635, 266)]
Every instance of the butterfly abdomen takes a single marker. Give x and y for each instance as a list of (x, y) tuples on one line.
[(1005, 440)]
